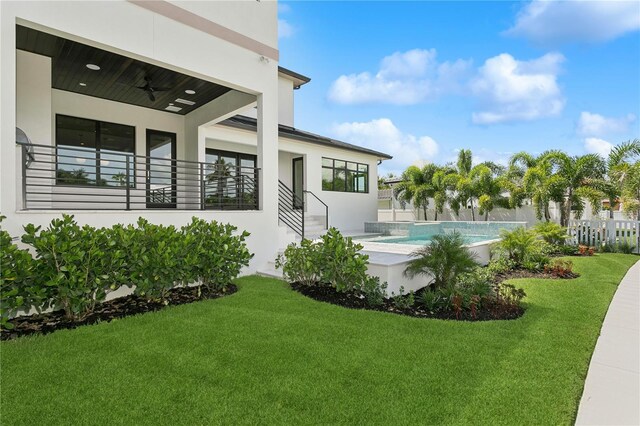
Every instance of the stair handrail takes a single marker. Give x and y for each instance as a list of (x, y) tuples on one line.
[(287, 212), (326, 208)]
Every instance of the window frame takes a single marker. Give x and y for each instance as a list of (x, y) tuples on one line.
[(97, 148), (350, 185)]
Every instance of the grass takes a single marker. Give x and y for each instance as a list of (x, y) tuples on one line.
[(269, 355)]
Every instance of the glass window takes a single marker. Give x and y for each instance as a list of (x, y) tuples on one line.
[(327, 179), (344, 176), (91, 152)]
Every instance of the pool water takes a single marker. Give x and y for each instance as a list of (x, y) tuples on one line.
[(425, 239)]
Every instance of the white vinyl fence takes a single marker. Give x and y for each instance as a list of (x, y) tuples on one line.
[(600, 232)]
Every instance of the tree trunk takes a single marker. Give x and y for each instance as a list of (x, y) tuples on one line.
[(486, 216), (547, 213), (567, 217), (473, 213), (424, 208), (436, 218)]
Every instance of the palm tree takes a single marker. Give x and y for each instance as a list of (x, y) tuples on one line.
[(617, 171), (631, 190), (573, 178), (443, 182), (416, 187), (488, 186), (464, 191)]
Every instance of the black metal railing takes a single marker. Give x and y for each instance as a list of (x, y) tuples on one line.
[(326, 208), (66, 177), (290, 209)]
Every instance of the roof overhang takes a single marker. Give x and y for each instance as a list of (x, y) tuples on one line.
[(298, 79)]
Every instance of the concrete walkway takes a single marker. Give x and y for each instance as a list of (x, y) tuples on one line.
[(612, 389)]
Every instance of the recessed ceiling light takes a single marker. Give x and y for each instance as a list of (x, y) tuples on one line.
[(93, 67), (83, 84), (190, 92), (170, 103), (172, 108)]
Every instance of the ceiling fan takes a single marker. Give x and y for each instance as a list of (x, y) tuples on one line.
[(150, 89)]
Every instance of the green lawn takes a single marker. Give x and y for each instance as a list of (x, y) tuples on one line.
[(269, 355)]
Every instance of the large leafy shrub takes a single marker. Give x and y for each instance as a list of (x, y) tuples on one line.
[(444, 258), (333, 260), (342, 264), (212, 254), (158, 259), (17, 289), (300, 263), (78, 265)]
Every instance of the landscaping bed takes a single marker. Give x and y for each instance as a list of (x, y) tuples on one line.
[(491, 311), (107, 311)]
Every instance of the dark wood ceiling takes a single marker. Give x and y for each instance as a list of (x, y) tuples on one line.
[(118, 77)]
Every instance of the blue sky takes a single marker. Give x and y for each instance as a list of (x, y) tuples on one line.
[(420, 80)]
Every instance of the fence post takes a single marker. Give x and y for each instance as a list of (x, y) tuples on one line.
[(24, 176), (202, 189), (128, 182)]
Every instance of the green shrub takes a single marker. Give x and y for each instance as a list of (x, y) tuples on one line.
[(625, 247), (78, 265), (561, 268), (333, 260), (444, 258), (520, 244), (300, 264), (501, 265), (374, 292), (402, 301), (213, 254), (551, 232), (18, 288), (342, 264), (433, 301), (479, 282), (156, 259)]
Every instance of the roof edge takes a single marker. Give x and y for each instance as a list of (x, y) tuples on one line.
[(297, 78), (249, 123)]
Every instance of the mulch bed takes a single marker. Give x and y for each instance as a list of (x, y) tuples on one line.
[(107, 311), (353, 301), (495, 311)]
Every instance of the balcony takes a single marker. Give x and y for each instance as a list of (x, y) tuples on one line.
[(76, 178)]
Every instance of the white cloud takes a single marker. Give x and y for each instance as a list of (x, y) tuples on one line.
[(511, 90), (591, 124), (382, 135), (404, 78), (285, 29), (555, 22), (597, 146)]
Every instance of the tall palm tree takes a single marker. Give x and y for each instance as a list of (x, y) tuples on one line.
[(488, 186), (416, 187), (464, 191), (573, 181), (443, 182), (631, 190), (617, 171)]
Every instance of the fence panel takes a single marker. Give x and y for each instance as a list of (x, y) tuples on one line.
[(600, 232)]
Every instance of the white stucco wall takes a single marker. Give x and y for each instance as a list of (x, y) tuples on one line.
[(131, 30), (347, 211), (285, 103), (33, 106)]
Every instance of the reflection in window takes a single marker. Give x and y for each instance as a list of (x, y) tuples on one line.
[(94, 153), (344, 176)]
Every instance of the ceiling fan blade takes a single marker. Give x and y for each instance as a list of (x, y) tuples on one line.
[(141, 87), (151, 97)]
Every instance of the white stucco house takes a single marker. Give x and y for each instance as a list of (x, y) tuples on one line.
[(164, 109)]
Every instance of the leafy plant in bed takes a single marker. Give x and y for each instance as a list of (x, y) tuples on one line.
[(75, 269), (333, 270)]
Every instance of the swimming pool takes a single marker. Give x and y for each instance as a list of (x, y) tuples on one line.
[(426, 239), (421, 233)]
